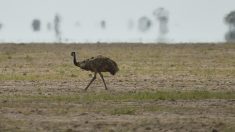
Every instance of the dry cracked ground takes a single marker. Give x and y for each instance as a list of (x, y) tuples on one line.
[(165, 88)]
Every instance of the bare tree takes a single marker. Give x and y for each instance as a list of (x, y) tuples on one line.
[(57, 27), (36, 25), (230, 21), (162, 16)]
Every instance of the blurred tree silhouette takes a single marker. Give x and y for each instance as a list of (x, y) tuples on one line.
[(49, 26), (144, 23), (1, 25), (103, 24), (77, 24), (230, 21), (230, 36), (162, 16), (57, 27), (230, 18), (36, 25)]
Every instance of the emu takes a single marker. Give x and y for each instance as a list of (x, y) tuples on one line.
[(97, 65)]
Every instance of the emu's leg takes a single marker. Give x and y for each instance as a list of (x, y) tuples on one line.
[(103, 80), (91, 81)]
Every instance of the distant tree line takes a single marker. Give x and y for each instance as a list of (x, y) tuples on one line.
[(144, 24)]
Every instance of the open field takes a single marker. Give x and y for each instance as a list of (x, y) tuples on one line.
[(180, 87)]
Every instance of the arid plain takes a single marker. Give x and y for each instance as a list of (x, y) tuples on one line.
[(160, 87)]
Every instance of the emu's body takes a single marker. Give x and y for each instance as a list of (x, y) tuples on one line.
[(97, 65)]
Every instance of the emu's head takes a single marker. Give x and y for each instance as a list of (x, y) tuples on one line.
[(74, 59), (72, 53)]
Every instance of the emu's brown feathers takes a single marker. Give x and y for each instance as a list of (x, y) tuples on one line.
[(99, 64)]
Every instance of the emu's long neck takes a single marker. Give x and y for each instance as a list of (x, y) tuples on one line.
[(75, 61)]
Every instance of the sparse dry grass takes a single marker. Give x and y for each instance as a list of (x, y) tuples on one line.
[(18, 62), (179, 87)]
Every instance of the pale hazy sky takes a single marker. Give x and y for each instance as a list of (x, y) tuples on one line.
[(190, 20)]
